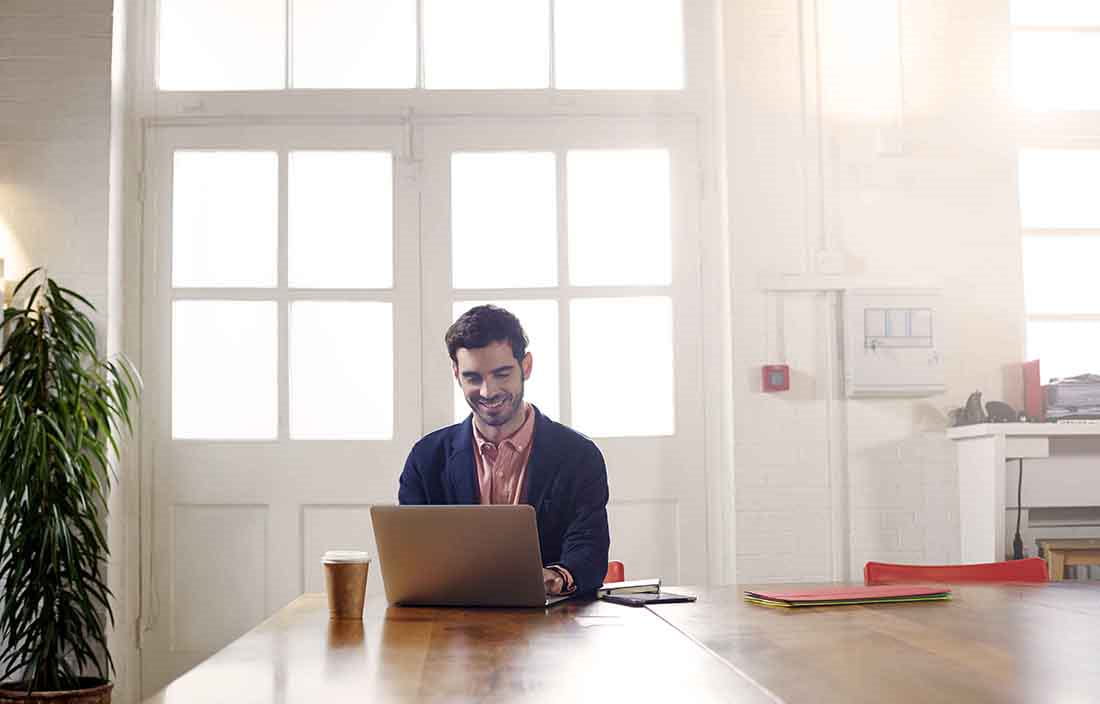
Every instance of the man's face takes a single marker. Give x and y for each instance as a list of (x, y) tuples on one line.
[(492, 379)]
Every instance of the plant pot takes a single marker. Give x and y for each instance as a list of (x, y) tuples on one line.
[(93, 691)]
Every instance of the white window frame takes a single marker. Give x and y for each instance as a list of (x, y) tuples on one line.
[(1054, 129), (558, 136), (699, 19), (697, 103), (1057, 140)]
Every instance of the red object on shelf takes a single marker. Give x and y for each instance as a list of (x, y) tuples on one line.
[(1034, 405), (775, 377), (1032, 569)]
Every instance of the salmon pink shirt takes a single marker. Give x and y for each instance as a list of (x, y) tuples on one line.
[(502, 470), (502, 467)]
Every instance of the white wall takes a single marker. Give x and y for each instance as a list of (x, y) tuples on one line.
[(809, 86), (54, 89), (60, 127), (802, 107)]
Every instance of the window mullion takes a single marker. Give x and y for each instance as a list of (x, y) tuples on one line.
[(553, 47), (1083, 29), (565, 377), (420, 44), (287, 44), (282, 296), (1060, 232)]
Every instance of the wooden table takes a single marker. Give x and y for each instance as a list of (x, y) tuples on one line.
[(574, 652), (1027, 643), (989, 644)]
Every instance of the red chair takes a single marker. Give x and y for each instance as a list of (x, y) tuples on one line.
[(615, 572), (1033, 569)]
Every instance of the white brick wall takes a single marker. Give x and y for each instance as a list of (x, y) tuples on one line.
[(55, 192), (945, 209), (54, 124)]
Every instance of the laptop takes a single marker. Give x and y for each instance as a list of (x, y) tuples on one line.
[(460, 555)]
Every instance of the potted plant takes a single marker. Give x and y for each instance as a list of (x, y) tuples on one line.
[(61, 405)]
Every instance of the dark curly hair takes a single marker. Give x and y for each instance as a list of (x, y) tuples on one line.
[(482, 325)]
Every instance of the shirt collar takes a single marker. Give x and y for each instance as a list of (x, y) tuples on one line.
[(519, 440)]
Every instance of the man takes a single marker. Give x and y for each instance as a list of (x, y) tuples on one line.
[(506, 452)]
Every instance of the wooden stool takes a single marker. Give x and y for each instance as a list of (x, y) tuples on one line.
[(1064, 552)]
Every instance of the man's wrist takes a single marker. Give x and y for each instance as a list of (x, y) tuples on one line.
[(567, 583)]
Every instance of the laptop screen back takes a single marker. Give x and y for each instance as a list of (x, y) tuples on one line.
[(459, 555)]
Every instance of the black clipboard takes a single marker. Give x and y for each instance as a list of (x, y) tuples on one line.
[(648, 598)]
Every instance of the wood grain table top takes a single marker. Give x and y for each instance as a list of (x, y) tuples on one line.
[(1003, 643), (573, 652), (1018, 643)]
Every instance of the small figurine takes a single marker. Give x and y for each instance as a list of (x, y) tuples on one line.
[(973, 412), (1000, 412)]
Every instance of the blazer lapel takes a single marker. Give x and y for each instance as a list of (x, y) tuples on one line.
[(461, 470), (543, 463)]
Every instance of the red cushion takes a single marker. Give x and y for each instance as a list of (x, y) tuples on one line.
[(1032, 569)]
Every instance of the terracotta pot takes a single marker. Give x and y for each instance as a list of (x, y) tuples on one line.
[(93, 692)]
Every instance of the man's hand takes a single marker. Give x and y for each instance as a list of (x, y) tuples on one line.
[(552, 581)]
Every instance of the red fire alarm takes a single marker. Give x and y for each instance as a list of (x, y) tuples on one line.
[(776, 377)]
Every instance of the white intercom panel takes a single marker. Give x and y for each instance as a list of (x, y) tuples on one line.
[(892, 342)]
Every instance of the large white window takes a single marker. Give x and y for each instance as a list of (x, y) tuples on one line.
[(1061, 247), (244, 45), (619, 234), (586, 245), (226, 254), (327, 185), (1056, 47), (1055, 51)]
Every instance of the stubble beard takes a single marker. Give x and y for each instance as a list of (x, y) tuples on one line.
[(502, 418)]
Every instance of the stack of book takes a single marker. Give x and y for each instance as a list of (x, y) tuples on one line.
[(636, 586)]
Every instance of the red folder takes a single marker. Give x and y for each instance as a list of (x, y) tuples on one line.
[(827, 596), (1033, 392)]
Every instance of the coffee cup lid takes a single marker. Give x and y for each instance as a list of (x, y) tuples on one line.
[(339, 556)]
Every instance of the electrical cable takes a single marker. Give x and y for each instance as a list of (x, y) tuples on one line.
[(1017, 542)]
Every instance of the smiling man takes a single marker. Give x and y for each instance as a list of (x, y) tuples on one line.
[(507, 452)]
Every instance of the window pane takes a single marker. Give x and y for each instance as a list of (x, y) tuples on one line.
[(1055, 13), (1056, 70), (340, 219), (1064, 348), (1060, 274), (341, 370), (354, 44), (225, 218), (224, 376), (504, 225), (219, 45), (619, 217), (540, 322), (1058, 188), (619, 44), (622, 366), (486, 43)]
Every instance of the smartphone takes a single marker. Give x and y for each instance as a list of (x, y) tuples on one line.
[(647, 599)]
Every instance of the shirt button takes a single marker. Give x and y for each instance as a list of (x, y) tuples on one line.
[(500, 475)]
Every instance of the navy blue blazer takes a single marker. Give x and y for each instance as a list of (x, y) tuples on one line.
[(566, 483)]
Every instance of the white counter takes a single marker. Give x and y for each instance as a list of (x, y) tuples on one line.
[(981, 452)]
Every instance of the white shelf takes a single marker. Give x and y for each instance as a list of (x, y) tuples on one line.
[(1023, 429)]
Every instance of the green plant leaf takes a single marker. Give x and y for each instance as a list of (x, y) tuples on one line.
[(61, 407)]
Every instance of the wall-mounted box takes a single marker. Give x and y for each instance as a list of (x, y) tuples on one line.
[(892, 342)]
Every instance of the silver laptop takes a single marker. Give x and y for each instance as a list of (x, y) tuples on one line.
[(460, 555)]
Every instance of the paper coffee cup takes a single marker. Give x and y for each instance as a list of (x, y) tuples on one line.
[(346, 582)]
